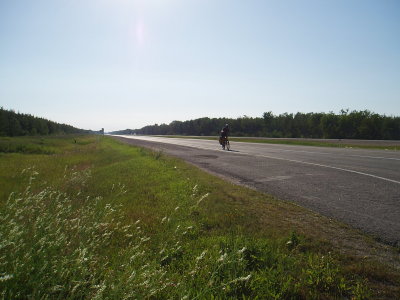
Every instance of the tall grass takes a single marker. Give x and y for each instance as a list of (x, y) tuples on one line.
[(101, 220), (60, 246)]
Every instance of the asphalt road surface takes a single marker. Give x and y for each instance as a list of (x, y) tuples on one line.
[(358, 187)]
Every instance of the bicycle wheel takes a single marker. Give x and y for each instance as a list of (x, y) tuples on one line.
[(228, 146)]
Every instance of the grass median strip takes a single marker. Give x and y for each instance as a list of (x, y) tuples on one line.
[(96, 218)]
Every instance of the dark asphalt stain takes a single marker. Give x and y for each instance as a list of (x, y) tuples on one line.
[(206, 156)]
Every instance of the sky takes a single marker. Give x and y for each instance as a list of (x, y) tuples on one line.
[(118, 64)]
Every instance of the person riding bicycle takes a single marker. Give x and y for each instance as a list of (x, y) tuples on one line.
[(224, 135)]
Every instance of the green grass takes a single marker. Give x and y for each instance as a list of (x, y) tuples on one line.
[(37, 145), (305, 142), (100, 219)]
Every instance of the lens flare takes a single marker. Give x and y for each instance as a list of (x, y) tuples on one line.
[(140, 32)]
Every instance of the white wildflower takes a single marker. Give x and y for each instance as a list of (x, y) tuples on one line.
[(126, 228), (244, 278), (133, 274), (99, 293), (242, 250), (201, 256), (144, 239), (57, 288), (202, 198), (6, 277), (241, 279), (222, 257), (133, 257)]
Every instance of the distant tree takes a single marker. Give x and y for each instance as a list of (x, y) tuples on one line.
[(17, 124), (330, 126), (354, 125), (391, 128), (15, 128), (4, 122), (269, 119), (314, 125)]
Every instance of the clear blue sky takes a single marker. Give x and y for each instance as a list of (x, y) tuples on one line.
[(123, 64)]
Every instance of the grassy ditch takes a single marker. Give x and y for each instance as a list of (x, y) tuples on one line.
[(100, 219)]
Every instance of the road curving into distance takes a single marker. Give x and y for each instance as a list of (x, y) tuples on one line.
[(356, 186)]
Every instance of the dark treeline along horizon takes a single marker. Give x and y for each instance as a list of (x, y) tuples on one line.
[(17, 124), (345, 125)]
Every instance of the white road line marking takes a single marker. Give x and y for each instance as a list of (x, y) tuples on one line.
[(327, 153), (377, 157), (304, 151), (310, 163), (290, 160), (342, 169), (321, 165)]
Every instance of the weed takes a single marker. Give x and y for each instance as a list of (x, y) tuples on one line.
[(118, 223), (53, 248)]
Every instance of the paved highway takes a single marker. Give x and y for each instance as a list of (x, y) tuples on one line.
[(358, 187)]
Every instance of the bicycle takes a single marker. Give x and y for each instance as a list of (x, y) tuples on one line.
[(224, 141)]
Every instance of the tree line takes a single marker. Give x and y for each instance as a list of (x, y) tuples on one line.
[(17, 124), (344, 125)]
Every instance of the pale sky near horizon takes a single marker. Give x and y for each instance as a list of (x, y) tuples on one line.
[(123, 64)]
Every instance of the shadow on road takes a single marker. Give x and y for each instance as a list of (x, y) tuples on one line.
[(233, 151)]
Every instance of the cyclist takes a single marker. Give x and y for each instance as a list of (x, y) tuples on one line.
[(224, 135)]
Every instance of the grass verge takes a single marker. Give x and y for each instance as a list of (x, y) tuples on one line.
[(100, 219)]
